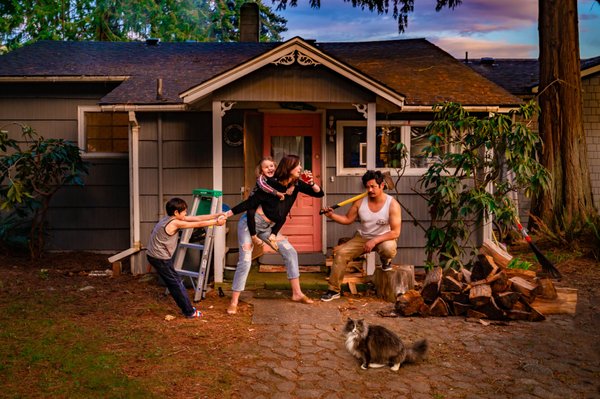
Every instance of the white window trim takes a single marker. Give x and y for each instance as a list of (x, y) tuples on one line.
[(404, 125), (82, 138)]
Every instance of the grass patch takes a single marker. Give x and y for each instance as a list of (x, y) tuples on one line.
[(57, 341), (42, 352)]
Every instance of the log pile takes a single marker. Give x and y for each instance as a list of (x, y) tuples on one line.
[(488, 291)]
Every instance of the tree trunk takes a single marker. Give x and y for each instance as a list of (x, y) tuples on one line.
[(564, 152)]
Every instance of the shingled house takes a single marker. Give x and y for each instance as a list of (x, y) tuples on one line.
[(521, 78), (157, 120)]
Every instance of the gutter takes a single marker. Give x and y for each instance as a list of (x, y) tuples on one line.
[(63, 78), (144, 108), (473, 108)]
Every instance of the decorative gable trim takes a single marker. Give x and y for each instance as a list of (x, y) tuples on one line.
[(293, 51)]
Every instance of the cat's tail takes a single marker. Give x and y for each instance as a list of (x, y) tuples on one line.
[(417, 351)]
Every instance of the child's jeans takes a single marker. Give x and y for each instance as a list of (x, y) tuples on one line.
[(165, 270)]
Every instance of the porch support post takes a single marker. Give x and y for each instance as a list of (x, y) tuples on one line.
[(371, 135), (217, 141), (487, 229)]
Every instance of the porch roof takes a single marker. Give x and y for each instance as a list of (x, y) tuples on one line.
[(415, 69)]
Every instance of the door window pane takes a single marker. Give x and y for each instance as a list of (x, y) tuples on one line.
[(296, 145)]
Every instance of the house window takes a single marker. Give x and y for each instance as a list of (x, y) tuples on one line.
[(103, 133), (352, 146)]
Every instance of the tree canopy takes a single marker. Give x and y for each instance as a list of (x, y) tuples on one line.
[(400, 8), (25, 21)]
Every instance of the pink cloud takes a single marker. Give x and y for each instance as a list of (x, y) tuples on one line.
[(475, 16), (477, 48)]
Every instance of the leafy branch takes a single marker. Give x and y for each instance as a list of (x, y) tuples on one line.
[(32, 170)]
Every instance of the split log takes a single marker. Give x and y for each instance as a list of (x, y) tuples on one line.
[(409, 303), (395, 282), (455, 296), (352, 279), (507, 300), (450, 284), (546, 288), (525, 274), (439, 308), (431, 285), (534, 314), (515, 314), (466, 274), (460, 309), (501, 257), (480, 295), (501, 283), (455, 274), (475, 314), (492, 311), (484, 267), (524, 287), (490, 279)]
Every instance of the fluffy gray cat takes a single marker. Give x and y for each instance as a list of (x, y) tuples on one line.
[(377, 346)]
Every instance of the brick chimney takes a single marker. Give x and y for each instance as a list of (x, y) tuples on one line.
[(249, 23)]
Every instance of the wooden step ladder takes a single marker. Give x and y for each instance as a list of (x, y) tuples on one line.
[(205, 202)]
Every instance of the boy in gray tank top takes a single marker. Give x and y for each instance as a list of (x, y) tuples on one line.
[(380, 220), (163, 243)]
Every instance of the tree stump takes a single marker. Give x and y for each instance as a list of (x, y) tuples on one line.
[(395, 282)]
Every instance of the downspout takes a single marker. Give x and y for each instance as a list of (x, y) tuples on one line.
[(135, 178), (161, 208), (134, 164)]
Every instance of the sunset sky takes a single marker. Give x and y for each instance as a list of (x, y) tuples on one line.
[(484, 28)]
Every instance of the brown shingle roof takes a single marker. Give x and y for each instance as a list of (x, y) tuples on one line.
[(415, 68), (518, 76), (424, 73)]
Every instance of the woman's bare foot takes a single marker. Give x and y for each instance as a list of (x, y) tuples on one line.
[(232, 309), (303, 299)]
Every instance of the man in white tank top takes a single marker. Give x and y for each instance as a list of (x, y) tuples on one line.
[(380, 219)]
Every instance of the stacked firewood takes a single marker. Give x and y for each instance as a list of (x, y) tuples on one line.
[(489, 290)]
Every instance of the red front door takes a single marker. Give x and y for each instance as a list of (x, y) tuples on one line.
[(298, 134)]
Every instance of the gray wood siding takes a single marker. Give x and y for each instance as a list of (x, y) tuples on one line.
[(187, 161), (92, 217), (95, 216), (295, 83)]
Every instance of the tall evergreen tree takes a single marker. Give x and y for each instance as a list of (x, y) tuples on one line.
[(25, 21)]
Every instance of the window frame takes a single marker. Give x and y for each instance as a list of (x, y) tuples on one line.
[(404, 125), (82, 110)]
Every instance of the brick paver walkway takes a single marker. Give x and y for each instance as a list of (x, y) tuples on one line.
[(300, 353)]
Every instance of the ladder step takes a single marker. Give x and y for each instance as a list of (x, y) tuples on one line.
[(187, 273), (190, 245)]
